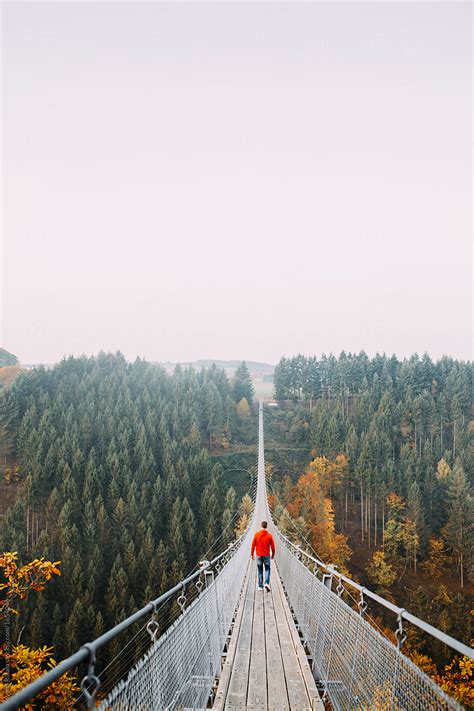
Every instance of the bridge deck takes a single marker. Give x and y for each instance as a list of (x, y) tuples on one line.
[(266, 667)]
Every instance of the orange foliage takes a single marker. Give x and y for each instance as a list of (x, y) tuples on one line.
[(330, 473), (457, 680), (272, 502), (395, 504), (22, 665), (422, 661), (8, 373), (26, 665), (12, 476), (308, 500), (19, 580), (436, 561)]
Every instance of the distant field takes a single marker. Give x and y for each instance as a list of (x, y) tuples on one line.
[(263, 390), (8, 374)]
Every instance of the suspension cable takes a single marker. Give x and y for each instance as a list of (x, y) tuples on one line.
[(287, 514), (251, 490)]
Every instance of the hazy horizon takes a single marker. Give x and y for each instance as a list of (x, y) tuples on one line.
[(248, 361), (244, 181)]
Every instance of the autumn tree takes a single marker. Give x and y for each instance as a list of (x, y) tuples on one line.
[(22, 665), (243, 409), (393, 537), (309, 501), (19, 580), (245, 514), (456, 680), (242, 386), (381, 573), (436, 560)]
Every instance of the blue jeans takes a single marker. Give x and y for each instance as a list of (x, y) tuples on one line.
[(263, 560)]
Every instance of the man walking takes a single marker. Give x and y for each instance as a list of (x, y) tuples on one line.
[(263, 543)]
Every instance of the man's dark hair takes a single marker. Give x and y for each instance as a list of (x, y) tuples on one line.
[(264, 524)]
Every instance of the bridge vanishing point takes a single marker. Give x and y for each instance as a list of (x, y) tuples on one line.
[(297, 648)]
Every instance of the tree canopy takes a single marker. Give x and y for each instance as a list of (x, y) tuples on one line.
[(114, 476), (7, 358)]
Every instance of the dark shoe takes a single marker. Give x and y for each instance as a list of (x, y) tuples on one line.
[(267, 587)]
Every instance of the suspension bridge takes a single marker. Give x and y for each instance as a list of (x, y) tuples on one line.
[(299, 647)]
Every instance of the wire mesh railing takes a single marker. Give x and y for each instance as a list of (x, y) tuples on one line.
[(188, 626), (179, 669), (357, 667), (182, 663)]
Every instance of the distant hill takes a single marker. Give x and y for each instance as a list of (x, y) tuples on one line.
[(257, 370), (7, 358)]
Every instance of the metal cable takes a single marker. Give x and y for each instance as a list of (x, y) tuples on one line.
[(357, 667)]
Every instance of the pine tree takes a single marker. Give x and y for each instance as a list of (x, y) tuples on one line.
[(242, 386), (458, 532)]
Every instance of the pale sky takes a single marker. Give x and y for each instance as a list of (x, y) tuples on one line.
[(230, 180)]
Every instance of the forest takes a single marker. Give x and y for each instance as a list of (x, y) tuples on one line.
[(110, 463), (128, 476), (387, 490)]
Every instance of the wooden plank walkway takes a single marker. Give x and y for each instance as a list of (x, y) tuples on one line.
[(266, 667)]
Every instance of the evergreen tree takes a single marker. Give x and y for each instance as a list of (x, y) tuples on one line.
[(242, 386), (7, 358), (458, 531)]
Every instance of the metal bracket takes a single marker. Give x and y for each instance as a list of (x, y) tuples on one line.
[(208, 577), (153, 625), (182, 601), (90, 683), (327, 580), (362, 605), (400, 633)]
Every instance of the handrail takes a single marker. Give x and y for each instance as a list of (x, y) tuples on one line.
[(88, 651), (459, 647)]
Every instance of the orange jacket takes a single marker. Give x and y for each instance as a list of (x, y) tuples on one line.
[(263, 541)]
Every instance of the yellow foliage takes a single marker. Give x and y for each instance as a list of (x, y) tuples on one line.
[(380, 571), (329, 473), (382, 700), (11, 476), (242, 525), (26, 665), (457, 680), (443, 470), (20, 579), (22, 665), (435, 563), (245, 511), (422, 661), (243, 409), (268, 471), (395, 504), (308, 500)]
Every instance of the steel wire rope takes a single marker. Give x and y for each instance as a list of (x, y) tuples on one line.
[(170, 614), (125, 664), (252, 486), (367, 616), (286, 512), (379, 629)]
